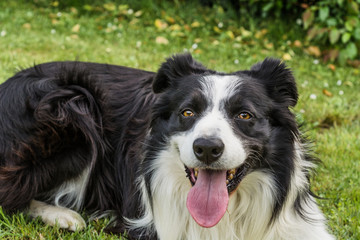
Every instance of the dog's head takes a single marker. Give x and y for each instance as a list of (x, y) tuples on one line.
[(222, 125)]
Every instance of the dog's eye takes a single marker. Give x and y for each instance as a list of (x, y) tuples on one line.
[(187, 113), (244, 115)]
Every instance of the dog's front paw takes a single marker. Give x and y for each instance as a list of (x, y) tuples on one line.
[(57, 216), (64, 218)]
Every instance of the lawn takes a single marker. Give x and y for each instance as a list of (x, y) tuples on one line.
[(143, 36)]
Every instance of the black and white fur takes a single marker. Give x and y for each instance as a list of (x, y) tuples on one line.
[(114, 140)]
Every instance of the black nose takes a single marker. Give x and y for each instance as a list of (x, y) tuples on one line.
[(208, 150)]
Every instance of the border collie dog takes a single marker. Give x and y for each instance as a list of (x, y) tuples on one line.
[(184, 153)]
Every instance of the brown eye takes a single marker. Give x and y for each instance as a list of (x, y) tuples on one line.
[(187, 113), (244, 115)]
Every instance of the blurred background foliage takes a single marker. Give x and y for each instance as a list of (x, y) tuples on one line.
[(326, 29), (313, 37)]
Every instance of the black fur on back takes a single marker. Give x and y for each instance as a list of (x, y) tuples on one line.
[(59, 118)]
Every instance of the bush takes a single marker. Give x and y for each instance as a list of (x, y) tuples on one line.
[(332, 25), (335, 26)]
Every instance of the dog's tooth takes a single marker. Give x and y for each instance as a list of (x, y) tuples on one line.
[(232, 171), (196, 172), (227, 182), (231, 176)]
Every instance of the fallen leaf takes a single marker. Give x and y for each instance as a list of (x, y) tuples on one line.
[(76, 28), (215, 42), (73, 10), (138, 13), (286, 57), (269, 45), (314, 51), (297, 43), (230, 34), (161, 40), (170, 20), (260, 34), (109, 7), (217, 30), (348, 83), (236, 45), (175, 27), (327, 93), (195, 24), (245, 33), (160, 24), (332, 67), (134, 21), (26, 25)]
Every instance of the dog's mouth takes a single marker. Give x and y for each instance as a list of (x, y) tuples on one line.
[(233, 176), (207, 200)]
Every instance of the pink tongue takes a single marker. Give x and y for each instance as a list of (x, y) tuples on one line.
[(207, 200)]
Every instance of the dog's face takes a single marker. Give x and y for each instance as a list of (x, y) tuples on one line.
[(220, 124)]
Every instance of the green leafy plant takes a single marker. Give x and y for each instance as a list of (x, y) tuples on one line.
[(335, 26)]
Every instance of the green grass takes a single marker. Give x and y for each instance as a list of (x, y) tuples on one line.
[(35, 33)]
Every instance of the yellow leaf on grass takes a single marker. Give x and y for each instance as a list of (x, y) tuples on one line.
[(73, 10), (269, 45), (175, 27), (260, 34), (297, 43), (314, 51), (138, 13), (332, 67), (215, 42), (286, 57), (327, 93), (170, 20), (217, 30), (161, 40), (76, 28), (160, 24), (230, 34), (245, 33), (26, 25), (195, 24)]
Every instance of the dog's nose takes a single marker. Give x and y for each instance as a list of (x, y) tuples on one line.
[(208, 150)]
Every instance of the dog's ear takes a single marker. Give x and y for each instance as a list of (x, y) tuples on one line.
[(174, 68), (277, 79)]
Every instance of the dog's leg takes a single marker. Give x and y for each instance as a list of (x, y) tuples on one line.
[(54, 215)]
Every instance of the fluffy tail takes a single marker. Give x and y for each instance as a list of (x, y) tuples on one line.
[(60, 134)]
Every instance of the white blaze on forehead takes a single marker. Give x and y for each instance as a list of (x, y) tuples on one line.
[(219, 88)]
